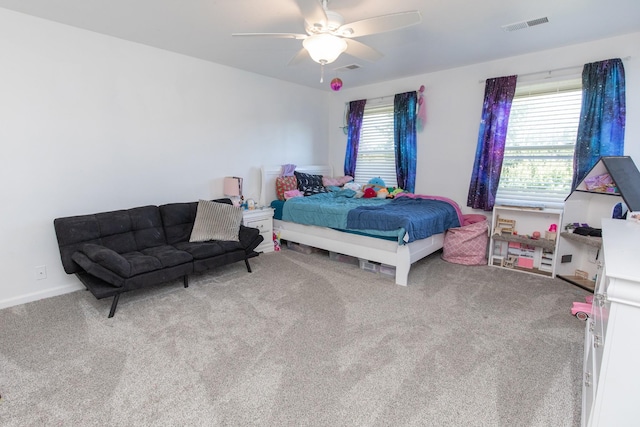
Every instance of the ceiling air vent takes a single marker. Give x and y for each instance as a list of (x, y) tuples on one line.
[(525, 24), (348, 67)]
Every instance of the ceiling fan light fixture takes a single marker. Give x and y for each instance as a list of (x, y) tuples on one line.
[(324, 48), (346, 32), (334, 20)]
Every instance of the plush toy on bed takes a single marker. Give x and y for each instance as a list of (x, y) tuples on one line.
[(369, 193), (395, 192), (376, 183), (355, 187), (352, 186)]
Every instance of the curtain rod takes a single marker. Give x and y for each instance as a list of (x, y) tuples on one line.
[(380, 99), (555, 70)]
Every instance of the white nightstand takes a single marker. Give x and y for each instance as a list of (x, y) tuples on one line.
[(262, 219)]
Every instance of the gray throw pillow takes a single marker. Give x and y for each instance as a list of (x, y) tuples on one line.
[(216, 221)]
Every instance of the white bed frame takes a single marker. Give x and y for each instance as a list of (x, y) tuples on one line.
[(368, 248)]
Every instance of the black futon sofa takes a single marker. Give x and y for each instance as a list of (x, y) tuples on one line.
[(115, 252)]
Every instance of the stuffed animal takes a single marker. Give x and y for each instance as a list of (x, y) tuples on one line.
[(397, 191), (276, 241), (383, 193), (352, 186), (376, 183), (369, 193)]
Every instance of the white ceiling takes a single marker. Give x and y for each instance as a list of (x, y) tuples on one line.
[(452, 32)]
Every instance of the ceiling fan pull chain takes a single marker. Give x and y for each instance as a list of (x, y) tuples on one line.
[(321, 73)]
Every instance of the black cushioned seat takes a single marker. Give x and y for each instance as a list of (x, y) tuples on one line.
[(114, 252), (168, 256), (202, 250)]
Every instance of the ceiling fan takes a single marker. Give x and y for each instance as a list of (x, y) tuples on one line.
[(328, 36)]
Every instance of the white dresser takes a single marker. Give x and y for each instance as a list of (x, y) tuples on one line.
[(611, 387)]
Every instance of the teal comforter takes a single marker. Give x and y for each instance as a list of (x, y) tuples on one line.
[(341, 211), (331, 210)]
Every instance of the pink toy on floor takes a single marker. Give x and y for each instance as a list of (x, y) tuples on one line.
[(582, 310)]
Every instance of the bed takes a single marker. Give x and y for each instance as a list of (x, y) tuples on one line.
[(375, 249)]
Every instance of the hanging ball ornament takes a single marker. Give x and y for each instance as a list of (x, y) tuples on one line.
[(336, 84)]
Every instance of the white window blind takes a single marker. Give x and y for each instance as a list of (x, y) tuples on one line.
[(376, 154), (538, 160)]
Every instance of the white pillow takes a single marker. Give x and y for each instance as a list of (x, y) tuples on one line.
[(216, 221)]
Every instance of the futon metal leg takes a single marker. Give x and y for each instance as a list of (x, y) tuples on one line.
[(186, 281), (246, 261), (114, 304)]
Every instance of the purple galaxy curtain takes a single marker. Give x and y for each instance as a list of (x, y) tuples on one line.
[(404, 125), (602, 118), (498, 95), (354, 125)]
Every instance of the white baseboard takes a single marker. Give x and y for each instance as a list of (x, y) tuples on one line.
[(35, 296)]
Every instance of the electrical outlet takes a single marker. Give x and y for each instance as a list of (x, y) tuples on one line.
[(41, 272)]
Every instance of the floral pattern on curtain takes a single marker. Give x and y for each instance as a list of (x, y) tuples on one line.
[(602, 118), (498, 96), (354, 125), (404, 123)]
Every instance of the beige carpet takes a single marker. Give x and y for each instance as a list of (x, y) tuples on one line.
[(301, 341)]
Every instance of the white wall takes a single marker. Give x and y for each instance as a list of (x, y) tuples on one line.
[(446, 147), (90, 123)]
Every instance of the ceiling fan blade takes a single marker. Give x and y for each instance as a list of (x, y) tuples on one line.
[(313, 12), (380, 24), (299, 57), (273, 35), (362, 51)]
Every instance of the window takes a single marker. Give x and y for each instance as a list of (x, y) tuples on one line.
[(376, 154), (538, 158)]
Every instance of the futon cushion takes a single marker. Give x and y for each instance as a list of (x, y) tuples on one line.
[(168, 255), (125, 265), (203, 250), (178, 219), (216, 221)]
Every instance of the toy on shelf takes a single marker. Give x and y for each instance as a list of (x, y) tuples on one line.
[(581, 274), (570, 227), (506, 226), (552, 234), (510, 262), (601, 184)]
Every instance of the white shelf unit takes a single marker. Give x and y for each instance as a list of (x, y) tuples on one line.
[(580, 256), (520, 251), (578, 253), (611, 372)]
